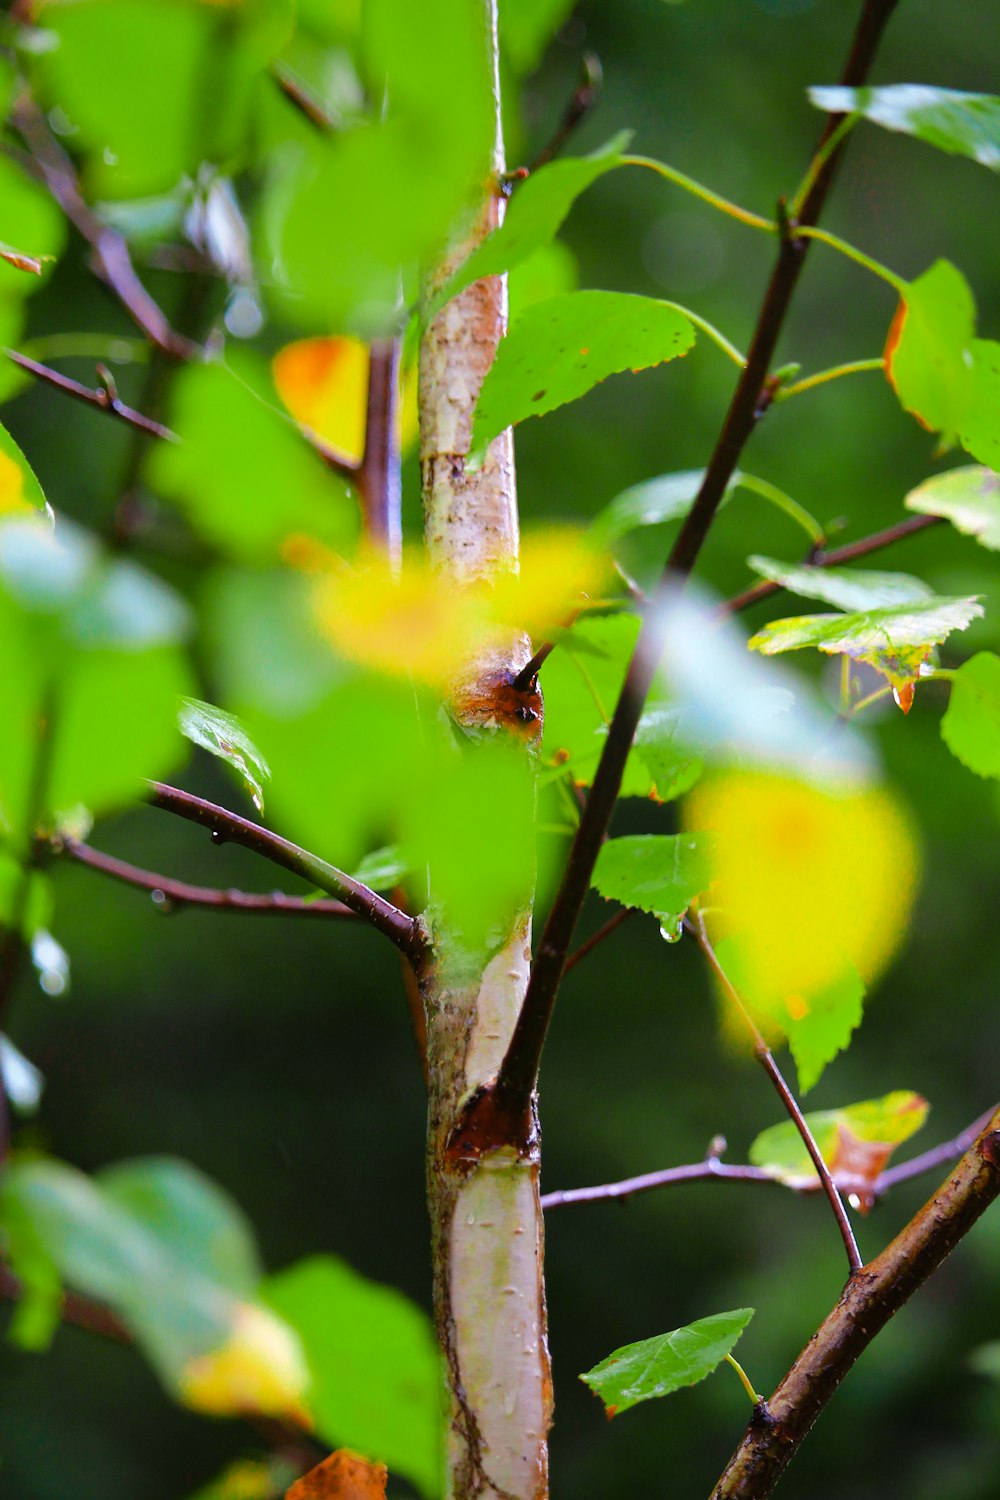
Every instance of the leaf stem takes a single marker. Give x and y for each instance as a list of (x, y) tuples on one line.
[(811, 232), (755, 1399), (226, 826), (823, 377), (822, 155), (698, 190), (792, 509), (710, 331), (764, 1055)]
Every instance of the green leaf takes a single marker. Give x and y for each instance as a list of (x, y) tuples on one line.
[(534, 217), (855, 1140), (32, 222), (659, 1366), (651, 503), (583, 678), (661, 746), (558, 350), (223, 735), (244, 474), (970, 726), (969, 498), (986, 1360), (658, 873), (926, 353), (20, 491), (980, 428), (153, 1240), (373, 1364), (963, 124), (383, 869), (526, 27), (896, 641), (345, 216), (852, 589)]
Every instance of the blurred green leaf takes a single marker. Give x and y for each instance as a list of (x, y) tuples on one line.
[(31, 222), (39, 1308), (527, 26), (534, 217), (970, 726), (925, 354), (222, 735), (155, 87), (986, 1359), (851, 589), (373, 1364), (855, 1140), (969, 498), (658, 873), (383, 869), (964, 124), (558, 350), (244, 474), (549, 271), (662, 1365), (651, 503), (660, 745), (346, 217), (980, 428), (19, 489)]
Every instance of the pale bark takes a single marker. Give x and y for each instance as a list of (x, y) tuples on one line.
[(484, 1204)]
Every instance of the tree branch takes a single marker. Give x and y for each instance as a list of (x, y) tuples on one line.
[(712, 1169), (869, 1300), (378, 478), (596, 938), (834, 557), (227, 827), (519, 1071), (111, 253), (765, 1057), (581, 102), (169, 894), (105, 397)]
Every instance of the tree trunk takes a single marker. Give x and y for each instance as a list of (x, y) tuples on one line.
[(484, 1204)]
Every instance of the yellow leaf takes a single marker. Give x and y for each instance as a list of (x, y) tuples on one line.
[(807, 877), (260, 1368), (324, 384)]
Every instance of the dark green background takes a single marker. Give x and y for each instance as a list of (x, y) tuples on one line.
[(276, 1054)]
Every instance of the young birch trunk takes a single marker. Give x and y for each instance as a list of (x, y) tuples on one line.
[(484, 1204)]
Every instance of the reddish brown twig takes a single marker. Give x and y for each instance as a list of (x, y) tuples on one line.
[(113, 262), (582, 101), (869, 1300), (596, 938), (172, 895), (105, 397), (83, 1312), (378, 477), (228, 827), (301, 98)]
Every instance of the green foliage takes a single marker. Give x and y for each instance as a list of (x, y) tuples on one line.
[(971, 723), (558, 350), (964, 124), (241, 469), (969, 498), (659, 1366), (534, 217), (526, 27), (856, 1138), (223, 735), (373, 1365), (849, 589), (658, 873)]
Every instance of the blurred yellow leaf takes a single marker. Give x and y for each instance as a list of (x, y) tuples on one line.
[(12, 497), (807, 878), (418, 624), (324, 384), (260, 1368)]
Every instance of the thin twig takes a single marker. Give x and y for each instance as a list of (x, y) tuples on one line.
[(228, 827), (378, 478), (869, 1300), (517, 1077), (301, 98), (712, 1169), (834, 557), (111, 253), (696, 927), (522, 682), (582, 101), (596, 938), (105, 397), (83, 1312), (171, 895)]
